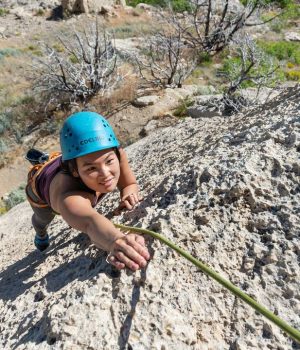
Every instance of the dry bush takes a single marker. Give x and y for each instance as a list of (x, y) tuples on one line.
[(251, 67), (86, 66), (166, 59), (119, 98), (210, 25)]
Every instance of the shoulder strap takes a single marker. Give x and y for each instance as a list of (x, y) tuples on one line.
[(32, 176)]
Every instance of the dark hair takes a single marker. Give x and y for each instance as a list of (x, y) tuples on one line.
[(69, 166)]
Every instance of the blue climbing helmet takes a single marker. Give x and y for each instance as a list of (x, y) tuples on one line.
[(85, 132)]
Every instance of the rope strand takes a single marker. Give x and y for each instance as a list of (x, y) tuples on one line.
[(292, 332)]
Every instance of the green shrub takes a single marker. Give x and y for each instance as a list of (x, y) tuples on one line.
[(181, 110), (4, 122), (129, 30), (3, 209), (9, 52), (293, 75), (40, 12), (3, 11), (281, 3), (282, 50), (292, 12), (3, 147), (177, 5), (34, 50), (290, 65), (197, 73), (232, 67), (205, 90), (15, 197), (58, 47), (205, 59), (73, 59), (26, 100)]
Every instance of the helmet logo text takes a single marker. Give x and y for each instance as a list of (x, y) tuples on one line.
[(91, 139)]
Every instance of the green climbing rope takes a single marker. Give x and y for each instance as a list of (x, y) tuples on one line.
[(294, 333)]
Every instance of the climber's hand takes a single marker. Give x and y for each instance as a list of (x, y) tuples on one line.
[(128, 202), (129, 251)]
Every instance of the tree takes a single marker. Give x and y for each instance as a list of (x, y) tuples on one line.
[(167, 60), (210, 25), (84, 64), (249, 66), (206, 29)]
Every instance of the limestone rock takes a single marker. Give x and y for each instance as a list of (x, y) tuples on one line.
[(145, 101), (85, 6), (219, 198), (292, 36), (205, 106), (20, 13), (161, 122), (145, 7)]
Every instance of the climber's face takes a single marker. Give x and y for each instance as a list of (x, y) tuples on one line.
[(100, 171)]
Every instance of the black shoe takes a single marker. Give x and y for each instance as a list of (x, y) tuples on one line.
[(36, 157), (41, 243)]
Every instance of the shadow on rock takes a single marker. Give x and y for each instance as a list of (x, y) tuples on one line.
[(56, 14), (13, 279), (126, 327), (16, 278)]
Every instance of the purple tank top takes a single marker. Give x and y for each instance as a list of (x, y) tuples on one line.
[(45, 178)]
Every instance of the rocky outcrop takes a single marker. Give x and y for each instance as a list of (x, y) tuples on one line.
[(86, 6), (225, 189)]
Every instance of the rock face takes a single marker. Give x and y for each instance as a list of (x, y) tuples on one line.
[(85, 6), (227, 191), (145, 101)]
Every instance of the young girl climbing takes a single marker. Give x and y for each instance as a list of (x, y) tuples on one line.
[(91, 164)]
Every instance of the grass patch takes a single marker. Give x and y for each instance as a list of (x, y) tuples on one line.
[(282, 50), (40, 12), (13, 198), (34, 50), (232, 67), (129, 30), (291, 11), (3, 146), (9, 52), (3, 209), (293, 75), (4, 122), (120, 96), (4, 11), (73, 59), (281, 3), (177, 5), (181, 110), (58, 47), (196, 75)]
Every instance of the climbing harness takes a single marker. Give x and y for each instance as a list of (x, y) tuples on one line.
[(292, 332), (40, 163)]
